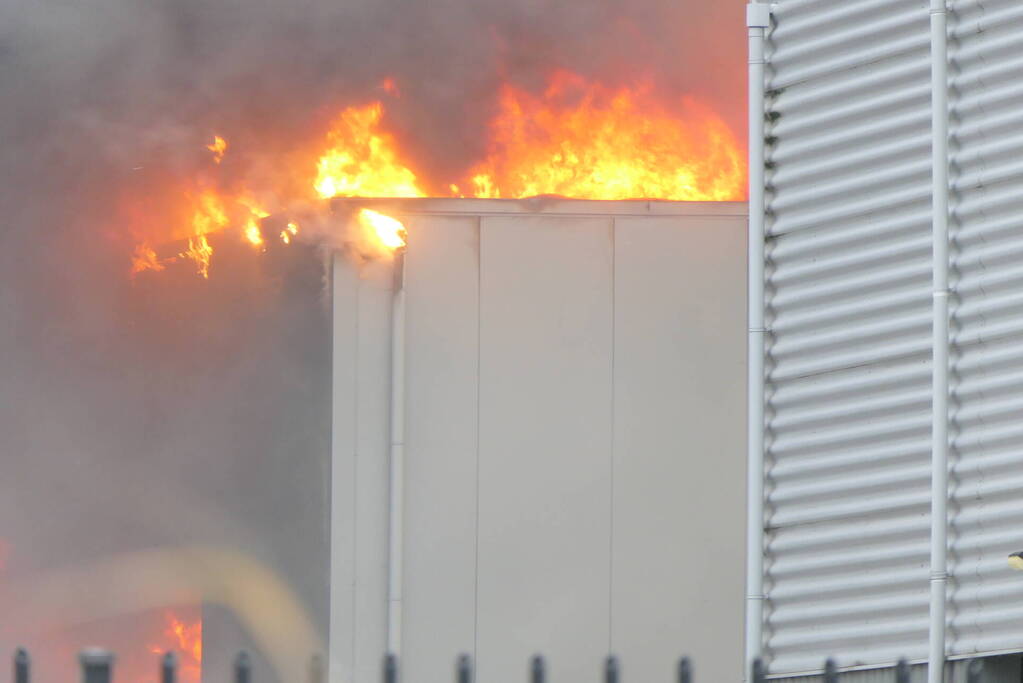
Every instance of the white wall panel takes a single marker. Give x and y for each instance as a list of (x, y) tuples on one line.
[(574, 450), (848, 306), (361, 328), (545, 443), (671, 280), (344, 417), (442, 321)]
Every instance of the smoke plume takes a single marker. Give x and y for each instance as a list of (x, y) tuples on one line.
[(190, 412)]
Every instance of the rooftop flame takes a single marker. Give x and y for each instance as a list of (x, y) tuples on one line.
[(577, 139), (580, 139), (363, 160)]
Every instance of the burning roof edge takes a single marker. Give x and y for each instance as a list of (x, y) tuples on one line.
[(541, 205)]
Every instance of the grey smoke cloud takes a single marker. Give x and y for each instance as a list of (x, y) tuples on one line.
[(121, 404)]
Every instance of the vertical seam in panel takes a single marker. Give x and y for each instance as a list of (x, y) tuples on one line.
[(355, 481), (611, 483), (479, 325)]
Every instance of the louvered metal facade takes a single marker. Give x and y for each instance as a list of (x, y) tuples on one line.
[(849, 314), (986, 100)]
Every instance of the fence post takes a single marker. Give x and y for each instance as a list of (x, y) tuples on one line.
[(464, 669), (537, 673), (21, 664), (975, 671), (902, 671), (390, 669), (611, 670), (685, 671), (242, 668), (97, 665), (830, 671), (168, 668), (759, 671)]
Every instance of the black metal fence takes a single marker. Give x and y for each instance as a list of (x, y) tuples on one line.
[(98, 667)]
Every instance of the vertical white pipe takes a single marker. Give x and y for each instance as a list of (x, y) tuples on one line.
[(396, 488), (939, 425), (757, 21)]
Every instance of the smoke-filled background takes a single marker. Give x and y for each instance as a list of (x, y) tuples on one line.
[(192, 416)]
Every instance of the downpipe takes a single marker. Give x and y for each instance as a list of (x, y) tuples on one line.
[(940, 341), (758, 19), (396, 485)]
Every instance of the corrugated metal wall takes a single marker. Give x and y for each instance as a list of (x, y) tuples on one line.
[(849, 314), (849, 347), (987, 324)]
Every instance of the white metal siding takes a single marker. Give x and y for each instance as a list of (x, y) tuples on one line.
[(849, 382), (848, 403), (987, 325), (574, 455)]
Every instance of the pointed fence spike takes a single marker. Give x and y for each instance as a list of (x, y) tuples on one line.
[(464, 669), (611, 670), (759, 671), (537, 673), (902, 671), (975, 671), (168, 668), (685, 670), (830, 671), (21, 665), (97, 665), (390, 669), (242, 668)]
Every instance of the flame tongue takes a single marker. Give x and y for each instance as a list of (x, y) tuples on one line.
[(363, 160), (389, 231), (621, 144), (218, 147)]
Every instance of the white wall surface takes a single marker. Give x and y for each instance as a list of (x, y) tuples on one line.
[(575, 447)]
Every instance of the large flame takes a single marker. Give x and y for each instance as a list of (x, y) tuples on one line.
[(576, 139), (184, 639), (363, 160), (580, 139)]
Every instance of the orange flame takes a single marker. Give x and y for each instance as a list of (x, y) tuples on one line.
[(186, 640), (218, 147), (577, 139), (145, 259), (388, 231), (290, 231), (253, 233), (209, 216), (362, 160), (580, 139)]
